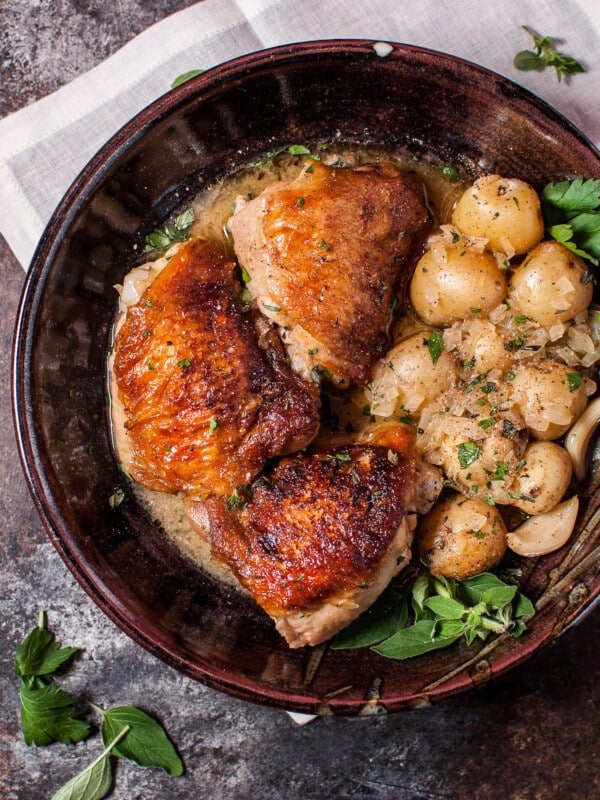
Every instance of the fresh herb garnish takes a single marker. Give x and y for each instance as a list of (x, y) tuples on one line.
[(468, 452), (545, 55), (572, 215), (162, 238), (213, 424), (443, 611), (435, 345), (186, 76), (574, 379), (298, 150), (49, 714)]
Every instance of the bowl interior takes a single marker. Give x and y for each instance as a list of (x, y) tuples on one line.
[(429, 103)]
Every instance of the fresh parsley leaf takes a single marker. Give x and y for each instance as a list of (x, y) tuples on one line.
[(468, 452), (185, 76), (39, 654), (298, 150), (545, 55), (572, 215), (387, 614), (146, 742), (435, 345), (49, 714)]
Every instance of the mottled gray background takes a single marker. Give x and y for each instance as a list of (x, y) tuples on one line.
[(531, 735)]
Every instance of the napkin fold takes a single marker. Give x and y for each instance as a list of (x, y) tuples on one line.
[(45, 145)]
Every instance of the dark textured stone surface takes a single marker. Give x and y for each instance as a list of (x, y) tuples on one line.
[(532, 735)]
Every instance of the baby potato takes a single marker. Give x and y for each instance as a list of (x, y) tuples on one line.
[(454, 283), (552, 285), (505, 211), (411, 375), (461, 537), (550, 396), (543, 480)]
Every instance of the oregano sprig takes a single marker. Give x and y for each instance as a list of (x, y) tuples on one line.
[(545, 55), (441, 612), (49, 714)]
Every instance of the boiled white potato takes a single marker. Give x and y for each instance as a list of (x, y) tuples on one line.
[(544, 478), (550, 396), (551, 285), (461, 537), (410, 377), (454, 283), (505, 211)]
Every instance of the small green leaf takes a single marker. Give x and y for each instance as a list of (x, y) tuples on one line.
[(387, 614), (499, 596), (575, 379), (185, 76), (49, 714), (39, 654), (528, 60), (468, 452), (298, 150), (146, 742), (445, 607), (93, 783), (435, 345), (523, 607), (416, 640), (472, 589)]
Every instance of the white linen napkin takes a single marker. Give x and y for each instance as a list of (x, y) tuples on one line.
[(44, 146)]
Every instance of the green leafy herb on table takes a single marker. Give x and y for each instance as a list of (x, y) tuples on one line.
[(162, 238), (441, 612), (49, 714), (572, 216), (545, 55)]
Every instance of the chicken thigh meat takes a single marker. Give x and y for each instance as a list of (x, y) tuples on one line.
[(326, 254)]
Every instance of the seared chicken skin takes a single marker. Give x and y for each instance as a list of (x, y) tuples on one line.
[(318, 539), (205, 396), (326, 254)]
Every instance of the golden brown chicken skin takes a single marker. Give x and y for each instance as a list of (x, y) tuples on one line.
[(318, 539), (326, 253), (204, 403)]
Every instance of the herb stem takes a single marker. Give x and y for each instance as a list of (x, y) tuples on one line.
[(492, 624), (111, 745), (95, 707), (42, 619)]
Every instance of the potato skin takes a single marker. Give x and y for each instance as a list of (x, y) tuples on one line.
[(535, 287), (459, 284), (449, 545), (545, 388), (544, 479), (505, 211)]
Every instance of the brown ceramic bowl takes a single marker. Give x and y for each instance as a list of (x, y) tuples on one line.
[(432, 104)]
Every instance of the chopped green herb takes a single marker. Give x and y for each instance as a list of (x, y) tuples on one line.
[(246, 277), (213, 424), (162, 238), (435, 345), (184, 363), (468, 452), (300, 202), (486, 423), (269, 307), (450, 173), (323, 245), (298, 150), (574, 379)]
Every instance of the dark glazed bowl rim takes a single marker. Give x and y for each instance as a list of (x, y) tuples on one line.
[(55, 523)]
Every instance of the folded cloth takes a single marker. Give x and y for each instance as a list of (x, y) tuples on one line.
[(45, 145)]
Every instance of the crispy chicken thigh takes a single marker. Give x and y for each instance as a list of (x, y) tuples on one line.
[(205, 394), (318, 539), (326, 253)]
